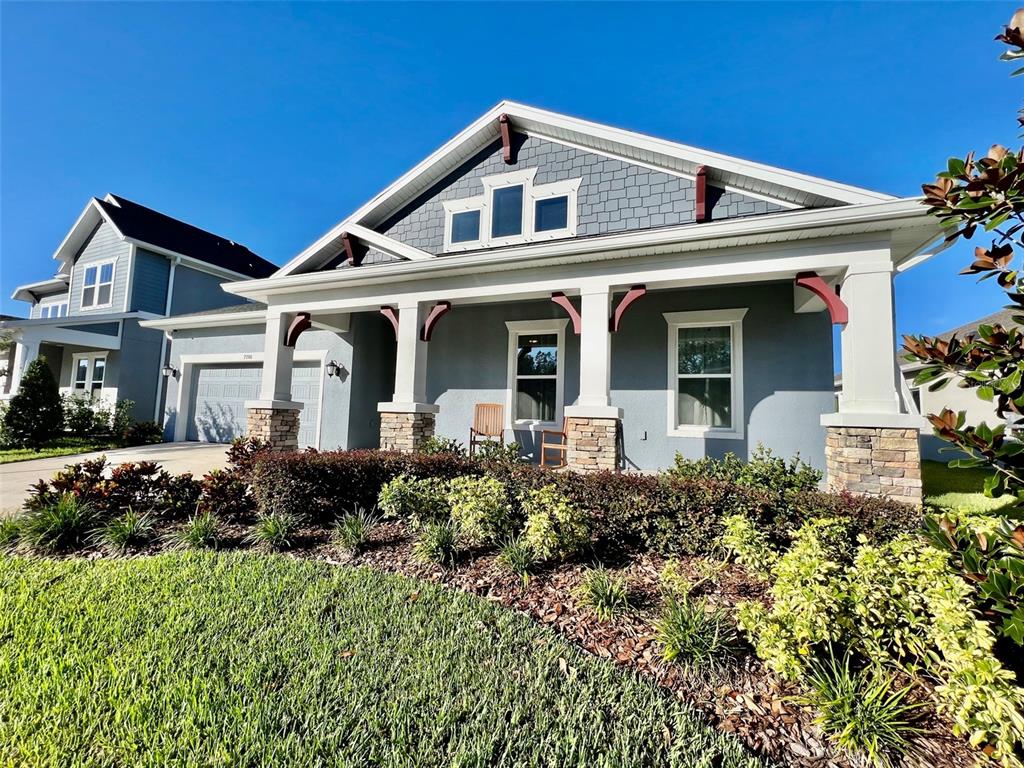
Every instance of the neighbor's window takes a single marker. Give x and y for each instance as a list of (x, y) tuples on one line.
[(88, 374), (551, 214), (507, 211), (466, 227), (705, 379), (98, 285)]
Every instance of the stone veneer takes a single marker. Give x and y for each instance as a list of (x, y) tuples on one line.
[(278, 426), (593, 444), (405, 432), (878, 461)]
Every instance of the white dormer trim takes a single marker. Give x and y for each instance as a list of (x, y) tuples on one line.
[(388, 245)]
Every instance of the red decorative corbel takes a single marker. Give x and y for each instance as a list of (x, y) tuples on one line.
[(632, 295), (836, 308), (391, 314), (702, 193), (355, 249), (563, 301), (505, 126), (438, 311), (300, 324)]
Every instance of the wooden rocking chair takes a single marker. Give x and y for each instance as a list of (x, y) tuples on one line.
[(556, 442), (488, 425)]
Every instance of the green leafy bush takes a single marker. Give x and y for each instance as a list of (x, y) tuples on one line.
[(763, 470), (749, 546), (434, 445), (352, 531), (499, 453), (518, 558), (62, 524), (143, 433), (274, 531), (675, 581), (35, 414), (414, 500), (78, 413), (695, 634), (438, 544), (201, 531), (861, 712), (555, 528), (126, 530), (603, 593), (479, 506)]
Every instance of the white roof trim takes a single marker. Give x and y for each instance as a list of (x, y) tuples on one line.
[(650, 150), (258, 316), (387, 244), (53, 285)]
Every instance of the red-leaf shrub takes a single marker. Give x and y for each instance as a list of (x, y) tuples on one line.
[(243, 453), (225, 495)]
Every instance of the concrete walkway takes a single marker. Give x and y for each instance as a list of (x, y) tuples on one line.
[(176, 458)]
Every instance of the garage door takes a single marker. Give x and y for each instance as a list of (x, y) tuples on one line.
[(218, 401)]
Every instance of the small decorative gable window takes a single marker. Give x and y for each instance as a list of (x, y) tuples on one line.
[(536, 348), (98, 285), (54, 310), (88, 373), (705, 373), (511, 210)]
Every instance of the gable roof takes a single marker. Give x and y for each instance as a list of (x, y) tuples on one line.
[(159, 232), (1003, 317), (795, 190)]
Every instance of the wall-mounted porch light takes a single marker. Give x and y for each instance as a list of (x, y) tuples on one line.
[(169, 371), (335, 368)]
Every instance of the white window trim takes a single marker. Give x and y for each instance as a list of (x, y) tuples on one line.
[(515, 329), (54, 301), (91, 357), (733, 319), (96, 286), (568, 188)]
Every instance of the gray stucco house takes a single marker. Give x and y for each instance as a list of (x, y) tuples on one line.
[(646, 296), (121, 263)]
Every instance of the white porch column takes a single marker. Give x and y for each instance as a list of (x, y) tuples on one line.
[(408, 419), (592, 424), (275, 416), (25, 351), (871, 447)]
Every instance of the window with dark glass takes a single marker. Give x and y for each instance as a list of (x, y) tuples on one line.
[(88, 375), (551, 213), (465, 226), (97, 285), (507, 211), (704, 377), (536, 376)]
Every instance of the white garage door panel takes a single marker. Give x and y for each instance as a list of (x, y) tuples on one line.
[(218, 402)]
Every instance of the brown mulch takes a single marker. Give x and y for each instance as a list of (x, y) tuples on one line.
[(742, 698)]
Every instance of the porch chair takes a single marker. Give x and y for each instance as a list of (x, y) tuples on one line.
[(556, 441), (488, 425)]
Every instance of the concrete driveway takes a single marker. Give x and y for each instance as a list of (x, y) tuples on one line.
[(176, 458)]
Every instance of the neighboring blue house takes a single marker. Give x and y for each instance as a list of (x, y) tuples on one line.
[(641, 296), (121, 263)]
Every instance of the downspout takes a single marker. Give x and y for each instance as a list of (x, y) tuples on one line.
[(165, 346)]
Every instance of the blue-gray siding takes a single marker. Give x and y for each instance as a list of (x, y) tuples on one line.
[(195, 291), (149, 282), (103, 245)]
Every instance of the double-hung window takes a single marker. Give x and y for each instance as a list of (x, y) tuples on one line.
[(705, 373), (87, 374), (97, 285), (535, 375)]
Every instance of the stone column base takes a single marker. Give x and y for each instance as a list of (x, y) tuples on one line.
[(278, 426), (405, 431), (876, 461), (593, 443)]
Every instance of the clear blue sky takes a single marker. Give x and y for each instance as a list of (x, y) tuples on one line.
[(269, 123)]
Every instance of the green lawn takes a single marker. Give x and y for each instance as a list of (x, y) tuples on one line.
[(246, 660), (958, 488), (64, 446)]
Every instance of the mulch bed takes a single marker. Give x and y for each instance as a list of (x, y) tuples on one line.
[(742, 698)]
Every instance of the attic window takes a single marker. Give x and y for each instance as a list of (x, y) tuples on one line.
[(98, 285), (512, 210)]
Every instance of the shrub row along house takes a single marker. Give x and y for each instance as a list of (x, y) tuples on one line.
[(639, 296)]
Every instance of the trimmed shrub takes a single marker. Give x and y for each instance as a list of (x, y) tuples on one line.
[(416, 501), (749, 546), (555, 528), (143, 433), (224, 494), (316, 485), (479, 506), (35, 414), (605, 594)]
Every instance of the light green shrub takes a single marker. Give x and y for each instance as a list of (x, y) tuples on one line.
[(748, 546), (416, 501), (555, 528), (479, 505)]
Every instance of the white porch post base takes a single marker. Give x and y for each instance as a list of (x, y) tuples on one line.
[(877, 456), (275, 421), (592, 437), (404, 427)]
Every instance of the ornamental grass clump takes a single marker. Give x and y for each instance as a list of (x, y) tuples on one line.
[(480, 508), (58, 526), (861, 711), (275, 531), (438, 544), (518, 558), (555, 528), (129, 529), (352, 531), (603, 593), (201, 531), (10, 530), (695, 634)]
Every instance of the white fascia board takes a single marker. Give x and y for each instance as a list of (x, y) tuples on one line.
[(779, 227), (227, 319), (90, 216), (52, 285), (388, 245)]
